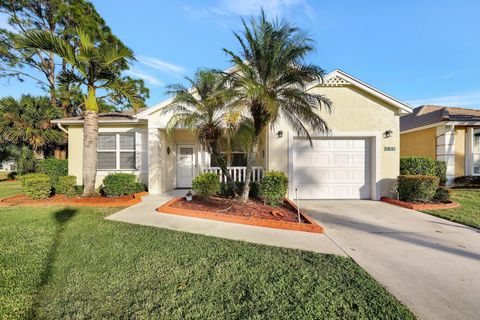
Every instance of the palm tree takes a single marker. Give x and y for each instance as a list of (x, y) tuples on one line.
[(203, 108), (271, 78), (26, 123), (96, 67)]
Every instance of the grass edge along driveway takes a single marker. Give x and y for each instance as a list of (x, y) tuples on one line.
[(469, 212), (61, 262)]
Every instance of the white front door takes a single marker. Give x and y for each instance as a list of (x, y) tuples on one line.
[(331, 168), (185, 166)]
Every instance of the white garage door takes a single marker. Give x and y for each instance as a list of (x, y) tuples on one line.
[(331, 168)]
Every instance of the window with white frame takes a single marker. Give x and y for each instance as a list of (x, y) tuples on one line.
[(116, 151), (476, 152)]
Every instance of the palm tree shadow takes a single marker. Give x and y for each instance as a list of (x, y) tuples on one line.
[(61, 218)]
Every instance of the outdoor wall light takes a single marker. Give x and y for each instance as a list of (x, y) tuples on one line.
[(280, 134), (387, 134)]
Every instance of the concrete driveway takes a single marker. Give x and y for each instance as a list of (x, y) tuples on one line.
[(430, 264)]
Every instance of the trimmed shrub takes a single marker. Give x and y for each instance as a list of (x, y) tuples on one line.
[(273, 187), (12, 175), (441, 171), (52, 167), (226, 189), (66, 185), (442, 195), (467, 181), (206, 184), (417, 188), (37, 185), (417, 166), (121, 184)]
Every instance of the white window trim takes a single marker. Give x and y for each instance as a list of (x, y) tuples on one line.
[(118, 151), (473, 153)]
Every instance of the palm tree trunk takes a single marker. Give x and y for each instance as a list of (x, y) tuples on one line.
[(90, 135), (251, 157), (216, 155)]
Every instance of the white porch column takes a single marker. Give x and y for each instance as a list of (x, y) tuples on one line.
[(468, 152), (156, 159), (446, 149)]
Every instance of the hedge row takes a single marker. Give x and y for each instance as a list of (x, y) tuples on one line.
[(423, 166), (121, 184), (271, 188)]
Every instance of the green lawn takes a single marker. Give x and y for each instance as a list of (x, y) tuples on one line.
[(468, 213), (9, 188), (60, 262)]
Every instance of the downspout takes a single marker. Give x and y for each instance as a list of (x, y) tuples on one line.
[(62, 128)]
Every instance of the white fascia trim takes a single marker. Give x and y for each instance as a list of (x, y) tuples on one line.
[(99, 121), (443, 123), (145, 113), (404, 107)]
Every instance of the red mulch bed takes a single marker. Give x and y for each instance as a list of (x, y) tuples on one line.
[(23, 200), (250, 209), (421, 206), (253, 212)]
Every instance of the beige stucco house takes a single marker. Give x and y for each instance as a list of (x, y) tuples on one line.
[(358, 159), (444, 133)]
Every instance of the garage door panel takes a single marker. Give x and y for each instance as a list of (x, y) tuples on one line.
[(332, 168), (340, 176), (340, 159), (358, 144)]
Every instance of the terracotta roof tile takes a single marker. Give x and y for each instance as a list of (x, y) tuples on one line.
[(430, 114)]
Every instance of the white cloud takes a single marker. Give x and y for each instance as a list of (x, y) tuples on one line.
[(251, 8), (145, 76), (161, 65), (449, 75), (460, 99)]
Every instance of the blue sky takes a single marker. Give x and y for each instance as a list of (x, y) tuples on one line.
[(418, 51)]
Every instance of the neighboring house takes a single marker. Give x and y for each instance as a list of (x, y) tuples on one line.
[(8, 165), (444, 133), (358, 159)]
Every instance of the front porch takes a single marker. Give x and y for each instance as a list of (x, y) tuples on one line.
[(175, 159)]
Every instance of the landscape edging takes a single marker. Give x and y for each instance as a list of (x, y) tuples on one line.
[(312, 226), (136, 198), (421, 206)]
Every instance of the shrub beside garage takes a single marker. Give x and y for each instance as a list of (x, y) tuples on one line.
[(422, 180)]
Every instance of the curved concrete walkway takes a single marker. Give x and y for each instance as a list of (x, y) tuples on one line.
[(144, 214), (430, 264)]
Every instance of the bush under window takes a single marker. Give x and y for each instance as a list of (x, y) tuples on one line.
[(66, 185), (206, 184), (52, 167), (37, 185), (120, 184), (273, 187), (417, 188), (467, 181)]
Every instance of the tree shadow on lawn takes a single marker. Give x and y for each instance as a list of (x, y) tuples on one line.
[(61, 218)]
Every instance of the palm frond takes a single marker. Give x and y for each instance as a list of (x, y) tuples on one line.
[(47, 41)]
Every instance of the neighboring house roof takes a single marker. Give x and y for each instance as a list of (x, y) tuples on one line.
[(335, 78), (430, 114), (127, 116)]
